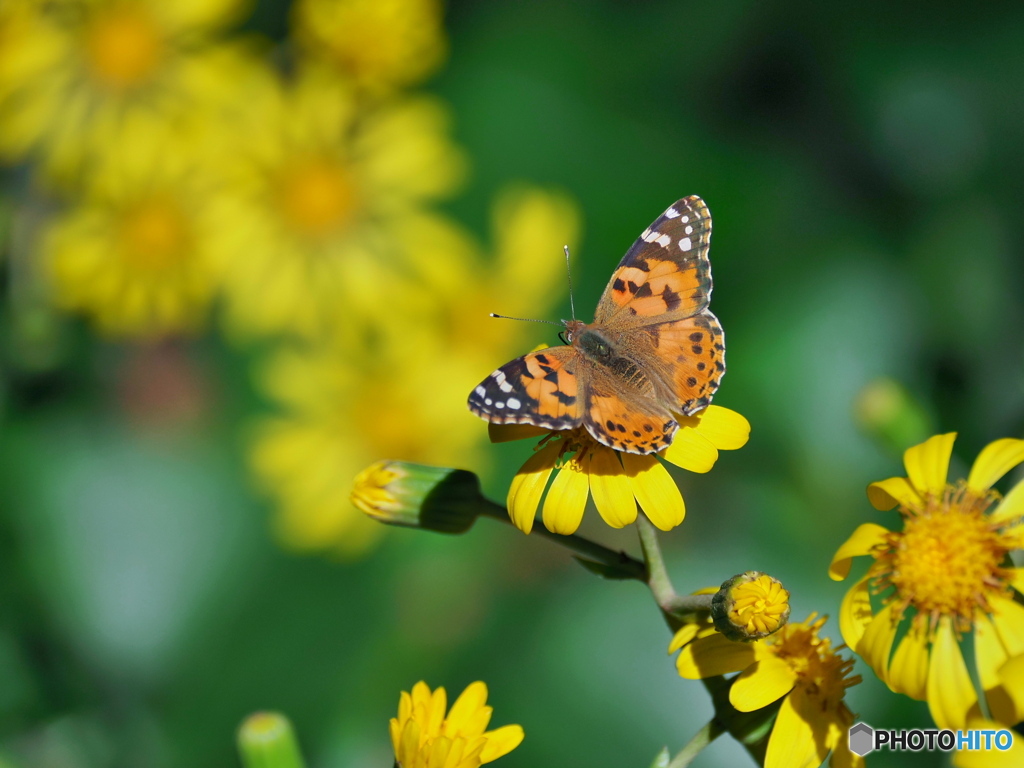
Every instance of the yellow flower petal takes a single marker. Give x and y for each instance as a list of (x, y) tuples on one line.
[(613, 496), (654, 489), (685, 634), (928, 463), (861, 542), (995, 460), (725, 428), (1011, 507), (505, 433), (908, 673), (876, 644), (470, 702), (886, 494), (989, 657), (1012, 677), (527, 486), (797, 737), (714, 655), (691, 451), (991, 758), (951, 694), (1017, 579), (567, 497), (766, 680), (1008, 619), (501, 741), (855, 613)]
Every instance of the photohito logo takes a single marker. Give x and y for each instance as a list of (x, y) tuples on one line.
[(864, 739)]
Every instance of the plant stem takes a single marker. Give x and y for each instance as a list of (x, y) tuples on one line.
[(711, 731), (628, 567), (658, 580)]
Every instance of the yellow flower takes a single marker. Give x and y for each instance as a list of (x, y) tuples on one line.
[(1011, 681), (134, 254), (794, 665), (317, 199), (74, 72), (398, 392), (379, 44), (946, 573), (617, 481), (423, 737)]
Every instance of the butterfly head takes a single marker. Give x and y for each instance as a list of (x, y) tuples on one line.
[(572, 330)]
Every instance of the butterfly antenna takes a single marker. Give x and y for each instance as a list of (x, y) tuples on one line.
[(572, 305), (524, 319)]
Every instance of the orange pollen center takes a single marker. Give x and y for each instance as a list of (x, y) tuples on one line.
[(155, 234), (317, 197), (123, 47), (819, 670), (948, 558)]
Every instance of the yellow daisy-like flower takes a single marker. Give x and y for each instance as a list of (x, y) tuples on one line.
[(424, 737), (317, 199), (944, 575), (617, 481), (379, 44), (1011, 682), (348, 402), (134, 254), (795, 665), (74, 72)]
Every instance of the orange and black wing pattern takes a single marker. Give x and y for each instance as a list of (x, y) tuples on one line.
[(541, 388), (665, 275), (691, 352)]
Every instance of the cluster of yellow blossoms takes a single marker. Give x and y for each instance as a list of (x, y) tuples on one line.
[(191, 175)]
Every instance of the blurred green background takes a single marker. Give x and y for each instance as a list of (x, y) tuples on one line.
[(862, 164)]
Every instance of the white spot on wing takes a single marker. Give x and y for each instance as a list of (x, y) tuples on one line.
[(671, 212), (648, 235), (685, 219), (505, 386), (664, 240), (488, 401), (480, 392), (689, 229), (685, 244), (513, 403), (499, 404)]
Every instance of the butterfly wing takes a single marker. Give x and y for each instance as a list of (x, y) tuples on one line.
[(542, 388), (689, 357), (625, 423), (665, 275)]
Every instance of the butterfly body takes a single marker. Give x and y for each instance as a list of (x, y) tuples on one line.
[(654, 350)]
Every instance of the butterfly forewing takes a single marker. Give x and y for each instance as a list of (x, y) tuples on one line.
[(541, 388), (666, 274)]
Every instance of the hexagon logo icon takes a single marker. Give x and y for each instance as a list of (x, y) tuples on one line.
[(862, 739)]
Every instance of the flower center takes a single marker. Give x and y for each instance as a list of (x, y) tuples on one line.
[(154, 234), (947, 559), (317, 197), (123, 47), (819, 669)]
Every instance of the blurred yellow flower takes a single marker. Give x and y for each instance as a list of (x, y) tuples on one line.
[(73, 72), (1011, 682), (947, 572), (379, 44), (399, 390), (424, 737), (617, 481), (133, 254), (315, 193), (794, 665)]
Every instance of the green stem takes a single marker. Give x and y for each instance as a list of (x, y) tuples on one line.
[(711, 731), (628, 567), (665, 596)]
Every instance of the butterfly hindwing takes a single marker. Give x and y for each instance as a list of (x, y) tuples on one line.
[(541, 388), (665, 274), (692, 352), (634, 427)]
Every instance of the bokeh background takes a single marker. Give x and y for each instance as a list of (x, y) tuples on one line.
[(247, 249)]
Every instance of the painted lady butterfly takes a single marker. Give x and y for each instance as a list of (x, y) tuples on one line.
[(654, 349)]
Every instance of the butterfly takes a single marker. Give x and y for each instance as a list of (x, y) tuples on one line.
[(654, 350)]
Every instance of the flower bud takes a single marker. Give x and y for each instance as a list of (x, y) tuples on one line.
[(419, 496), (750, 606)]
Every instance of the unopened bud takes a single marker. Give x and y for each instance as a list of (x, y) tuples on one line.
[(419, 496), (750, 606)]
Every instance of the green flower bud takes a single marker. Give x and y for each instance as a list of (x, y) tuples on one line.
[(750, 606)]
